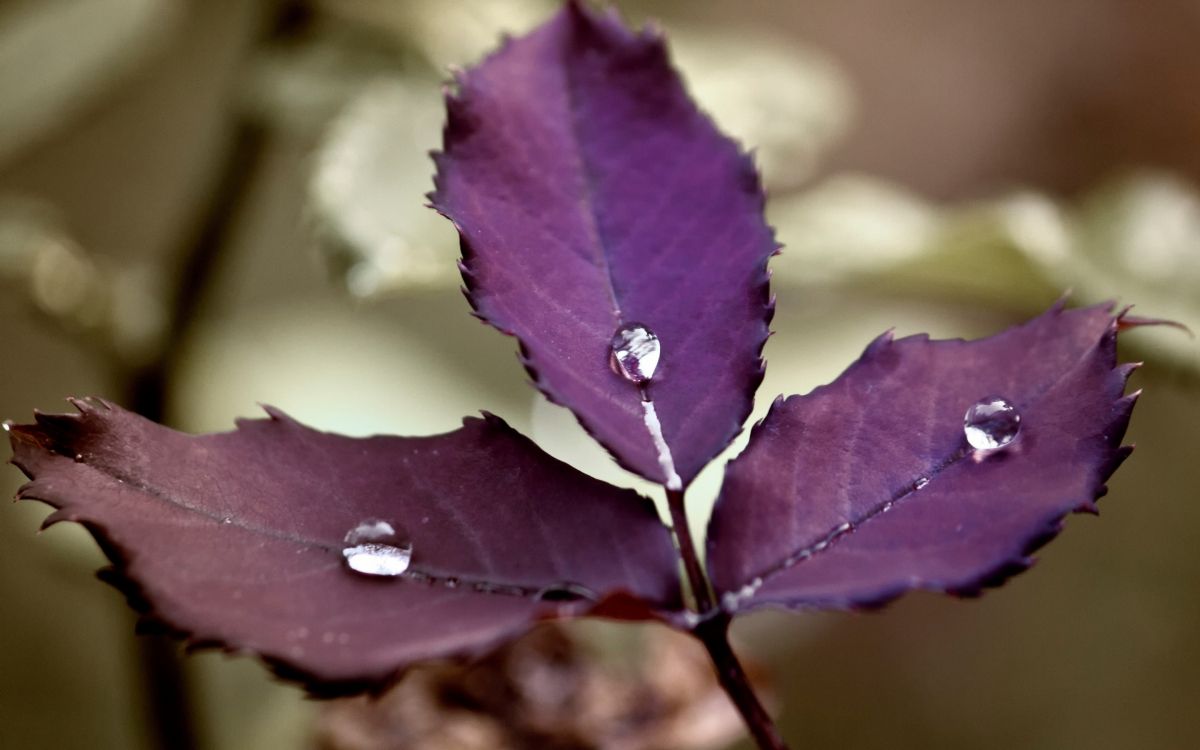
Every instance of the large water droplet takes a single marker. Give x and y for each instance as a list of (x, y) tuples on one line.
[(635, 351), (991, 423), (374, 548)]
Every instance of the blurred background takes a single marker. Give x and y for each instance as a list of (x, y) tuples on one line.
[(206, 205)]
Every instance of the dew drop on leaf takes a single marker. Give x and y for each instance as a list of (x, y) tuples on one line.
[(373, 548), (991, 423), (635, 352)]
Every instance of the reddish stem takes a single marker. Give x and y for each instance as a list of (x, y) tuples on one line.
[(687, 549), (713, 631)]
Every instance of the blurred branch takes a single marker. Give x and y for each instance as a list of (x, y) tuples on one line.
[(78, 48)]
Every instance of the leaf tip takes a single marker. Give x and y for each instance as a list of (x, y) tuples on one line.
[(275, 413), (1060, 304), (879, 344), (1125, 322)]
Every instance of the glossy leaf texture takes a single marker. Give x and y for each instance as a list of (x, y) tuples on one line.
[(590, 193), (866, 488), (236, 539)]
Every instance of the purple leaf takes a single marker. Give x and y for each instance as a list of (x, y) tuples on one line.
[(867, 487), (237, 538), (591, 194)]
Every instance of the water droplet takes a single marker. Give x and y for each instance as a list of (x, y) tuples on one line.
[(374, 548), (8, 425), (370, 530), (991, 423), (920, 483), (635, 352), (566, 592), (226, 519)]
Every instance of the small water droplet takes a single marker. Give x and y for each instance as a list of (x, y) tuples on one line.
[(78, 457), (227, 519), (991, 423), (635, 352), (374, 548), (8, 425), (566, 592), (921, 482)]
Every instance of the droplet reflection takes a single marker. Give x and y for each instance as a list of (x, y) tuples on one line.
[(991, 423), (374, 548), (636, 351)]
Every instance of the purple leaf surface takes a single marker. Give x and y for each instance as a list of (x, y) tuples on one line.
[(590, 194), (866, 487), (236, 539)]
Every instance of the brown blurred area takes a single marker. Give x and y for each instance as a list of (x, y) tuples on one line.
[(187, 226)]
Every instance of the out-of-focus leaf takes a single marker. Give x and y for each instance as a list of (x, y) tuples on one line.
[(856, 230), (236, 539), (590, 193), (366, 192), (57, 55), (1137, 238), (787, 102), (118, 309), (849, 225), (337, 365), (444, 32), (301, 82), (866, 488)]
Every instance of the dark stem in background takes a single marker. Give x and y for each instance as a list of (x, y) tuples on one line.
[(165, 686), (166, 689), (713, 632)]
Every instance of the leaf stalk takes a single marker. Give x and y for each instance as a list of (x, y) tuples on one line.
[(713, 631)]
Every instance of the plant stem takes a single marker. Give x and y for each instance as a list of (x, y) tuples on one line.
[(687, 549), (713, 631)]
